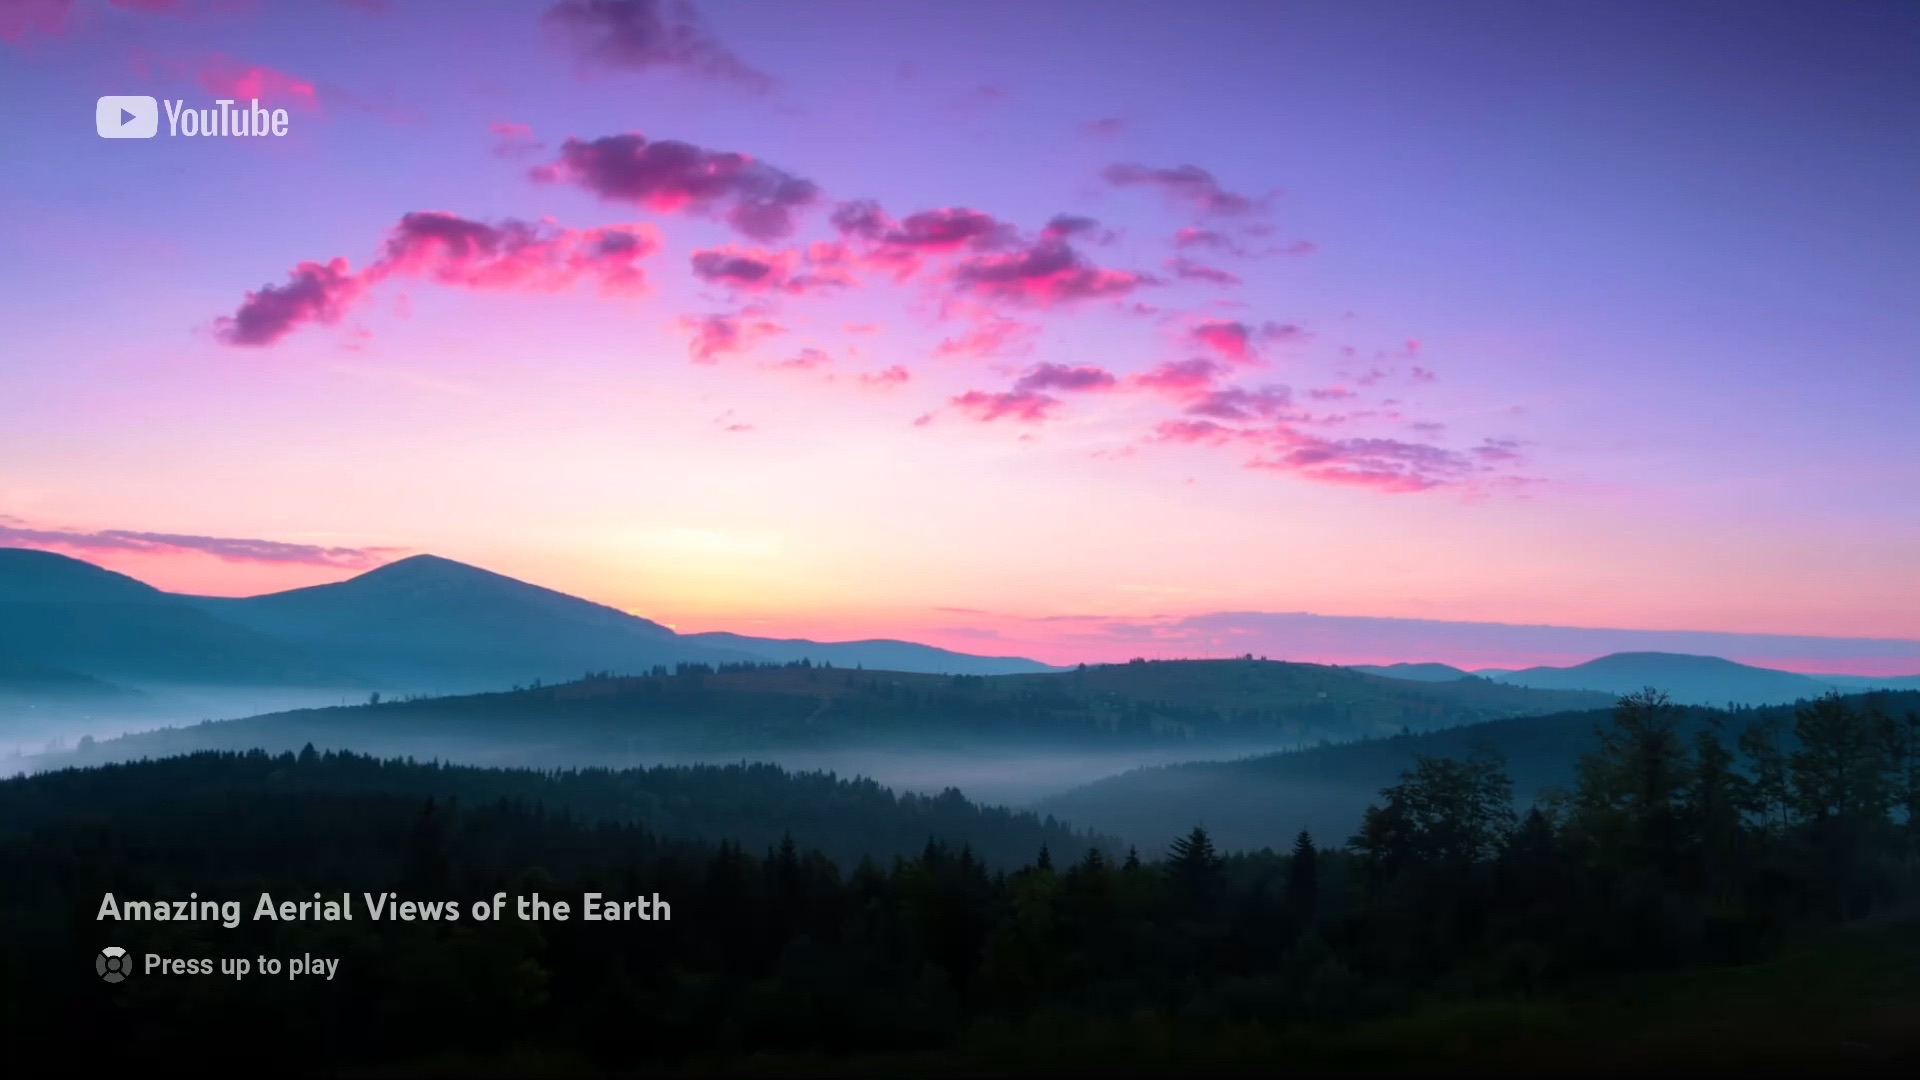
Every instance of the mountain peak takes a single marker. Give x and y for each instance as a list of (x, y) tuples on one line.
[(426, 567)]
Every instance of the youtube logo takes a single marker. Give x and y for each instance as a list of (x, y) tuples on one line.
[(120, 117)]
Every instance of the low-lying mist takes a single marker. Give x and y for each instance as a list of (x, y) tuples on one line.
[(32, 725), (1011, 774)]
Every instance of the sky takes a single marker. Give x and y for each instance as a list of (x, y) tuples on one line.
[(1074, 330)]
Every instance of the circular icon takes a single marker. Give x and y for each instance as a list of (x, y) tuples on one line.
[(113, 964)]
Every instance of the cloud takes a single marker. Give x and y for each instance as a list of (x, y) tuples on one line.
[(820, 266), (1064, 227), (1498, 451), (805, 360), (1182, 379), (1390, 465), (1331, 393), (23, 19), (1207, 238), (1239, 342), (314, 292), (1242, 403), (515, 255), (1042, 377), (1046, 273), (991, 336), (667, 176), (1188, 184), (1026, 407), (223, 76), (1105, 128), (886, 378), (1194, 431), (449, 250), (715, 336), (640, 35), (513, 141), (1190, 270), (225, 548)]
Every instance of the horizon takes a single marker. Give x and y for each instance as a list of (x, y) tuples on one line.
[(806, 330), (1797, 655)]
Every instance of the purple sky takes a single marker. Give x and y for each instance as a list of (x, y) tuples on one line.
[(949, 321)]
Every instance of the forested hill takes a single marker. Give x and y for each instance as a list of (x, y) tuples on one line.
[(1260, 801), (755, 806), (734, 708)]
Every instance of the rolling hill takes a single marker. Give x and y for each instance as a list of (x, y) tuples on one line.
[(1262, 801), (1693, 680), (880, 653), (1414, 672), (1201, 706)]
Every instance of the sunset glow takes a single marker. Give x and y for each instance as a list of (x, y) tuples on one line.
[(1052, 340)]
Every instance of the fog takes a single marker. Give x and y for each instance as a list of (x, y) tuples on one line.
[(1013, 775), (33, 725)]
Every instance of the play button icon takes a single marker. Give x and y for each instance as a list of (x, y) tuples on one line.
[(120, 117)]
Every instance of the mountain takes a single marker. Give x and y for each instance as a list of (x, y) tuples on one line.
[(1414, 672), (420, 625), (881, 654), (65, 614), (1693, 680), (430, 624), (1262, 801)]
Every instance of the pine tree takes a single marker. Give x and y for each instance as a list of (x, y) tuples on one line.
[(1045, 861), (1303, 879)]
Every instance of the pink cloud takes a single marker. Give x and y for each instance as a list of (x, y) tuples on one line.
[(452, 250), (223, 76), (314, 292), (1064, 227), (1043, 377), (1239, 342), (715, 336), (1044, 274), (640, 35), (1389, 465), (1206, 432), (990, 336), (1331, 393), (23, 19), (889, 377), (1104, 128), (1242, 403), (820, 266), (1026, 407), (224, 548), (1182, 379), (1189, 184), (1190, 270), (449, 250), (667, 176), (806, 360), (514, 141)]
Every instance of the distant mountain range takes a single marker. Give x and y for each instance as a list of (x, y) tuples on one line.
[(1691, 680), (419, 625)]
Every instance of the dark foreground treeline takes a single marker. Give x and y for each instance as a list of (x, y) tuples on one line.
[(1667, 853)]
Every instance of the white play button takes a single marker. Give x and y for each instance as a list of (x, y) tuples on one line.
[(122, 117)]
